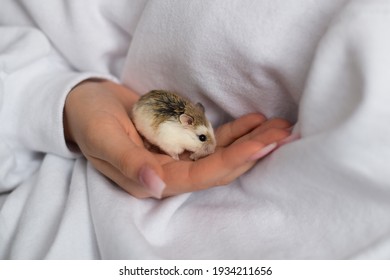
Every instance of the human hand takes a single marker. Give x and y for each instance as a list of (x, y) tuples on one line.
[(240, 144), (96, 119)]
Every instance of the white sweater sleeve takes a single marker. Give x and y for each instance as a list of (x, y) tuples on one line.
[(46, 48), (34, 83)]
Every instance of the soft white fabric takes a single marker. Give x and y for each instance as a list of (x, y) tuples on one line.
[(322, 63)]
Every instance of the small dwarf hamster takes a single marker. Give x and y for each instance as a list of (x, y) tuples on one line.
[(174, 124)]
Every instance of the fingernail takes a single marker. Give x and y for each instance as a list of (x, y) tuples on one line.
[(263, 152), (153, 184), (289, 139)]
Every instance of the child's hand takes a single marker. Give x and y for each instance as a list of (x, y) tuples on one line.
[(96, 119)]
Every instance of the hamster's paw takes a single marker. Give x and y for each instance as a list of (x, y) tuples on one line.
[(172, 151), (175, 156), (196, 156)]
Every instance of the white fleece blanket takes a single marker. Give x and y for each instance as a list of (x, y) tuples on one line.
[(325, 65)]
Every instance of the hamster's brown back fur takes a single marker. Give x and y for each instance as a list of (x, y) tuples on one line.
[(165, 105)]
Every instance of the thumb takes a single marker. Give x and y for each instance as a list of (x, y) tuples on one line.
[(151, 181), (140, 165), (132, 160)]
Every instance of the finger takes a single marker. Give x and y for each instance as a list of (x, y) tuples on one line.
[(128, 185), (272, 123), (186, 176), (291, 138), (113, 145), (270, 131), (237, 173), (229, 132), (252, 161)]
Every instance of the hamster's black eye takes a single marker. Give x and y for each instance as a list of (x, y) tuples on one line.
[(202, 137)]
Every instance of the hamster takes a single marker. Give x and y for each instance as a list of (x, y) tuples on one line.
[(174, 124)]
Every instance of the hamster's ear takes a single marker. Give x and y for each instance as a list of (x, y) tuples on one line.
[(200, 106), (186, 120)]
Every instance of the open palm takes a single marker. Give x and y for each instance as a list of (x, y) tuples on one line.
[(96, 119)]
